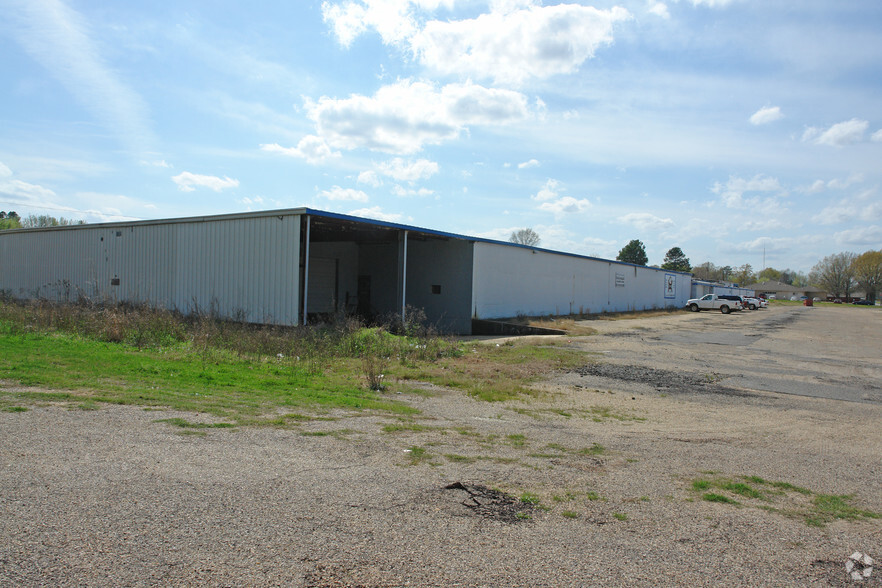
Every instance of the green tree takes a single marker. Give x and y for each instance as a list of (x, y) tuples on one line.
[(9, 220), (526, 236), (744, 275), (794, 277), (634, 252), (835, 274), (867, 269), (768, 274), (676, 260)]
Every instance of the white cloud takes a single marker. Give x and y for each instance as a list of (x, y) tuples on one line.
[(566, 205), (766, 115), (23, 192), (645, 221), (256, 201), (402, 191), (30, 193), (394, 20), (377, 213), (816, 187), (404, 116), (408, 171), (161, 163), (732, 194), (311, 148), (659, 9), (188, 182), (345, 194), (513, 46), (58, 38), (860, 237), (548, 192), (838, 135), (370, 178), (528, 164), (877, 136), (516, 40), (865, 206), (712, 3), (779, 244), (838, 184)]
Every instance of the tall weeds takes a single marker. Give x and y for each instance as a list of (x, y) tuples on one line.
[(310, 350)]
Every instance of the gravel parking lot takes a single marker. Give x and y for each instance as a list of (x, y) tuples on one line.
[(600, 481)]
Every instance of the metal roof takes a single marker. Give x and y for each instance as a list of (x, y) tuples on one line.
[(344, 223)]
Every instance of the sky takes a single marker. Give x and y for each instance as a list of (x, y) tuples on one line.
[(741, 131)]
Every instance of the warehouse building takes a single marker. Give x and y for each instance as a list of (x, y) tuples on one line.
[(293, 266)]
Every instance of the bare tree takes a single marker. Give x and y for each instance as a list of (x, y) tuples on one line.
[(33, 221), (835, 274), (527, 237)]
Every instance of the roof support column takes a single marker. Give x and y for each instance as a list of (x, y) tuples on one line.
[(306, 271), (404, 279)]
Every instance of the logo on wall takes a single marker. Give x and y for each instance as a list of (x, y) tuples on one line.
[(670, 286)]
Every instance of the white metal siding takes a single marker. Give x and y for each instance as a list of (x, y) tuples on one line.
[(448, 265), (231, 266), (509, 281)]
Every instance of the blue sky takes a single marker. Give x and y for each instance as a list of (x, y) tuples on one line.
[(725, 127)]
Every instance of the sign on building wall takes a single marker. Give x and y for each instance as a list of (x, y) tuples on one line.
[(670, 286), (620, 280)]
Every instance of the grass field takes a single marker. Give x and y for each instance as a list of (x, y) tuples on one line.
[(247, 374)]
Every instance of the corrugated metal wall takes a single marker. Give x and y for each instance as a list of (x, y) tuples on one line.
[(243, 267), (509, 281)]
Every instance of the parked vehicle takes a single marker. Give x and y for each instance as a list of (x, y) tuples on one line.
[(863, 302), (754, 303), (745, 301), (713, 302)]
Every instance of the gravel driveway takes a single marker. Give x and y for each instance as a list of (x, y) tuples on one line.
[(593, 483)]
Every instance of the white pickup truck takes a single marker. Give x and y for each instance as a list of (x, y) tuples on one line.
[(713, 302)]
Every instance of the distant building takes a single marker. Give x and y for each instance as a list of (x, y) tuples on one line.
[(781, 291), (702, 287)]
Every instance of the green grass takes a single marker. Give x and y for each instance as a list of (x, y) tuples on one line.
[(714, 497), (238, 388), (245, 373), (621, 516), (595, 449), (405, 426), (495, 374), (529, 498), (185, 424), (569, 514), (418, 455), (14, 409), (816, 510), (828, 507)]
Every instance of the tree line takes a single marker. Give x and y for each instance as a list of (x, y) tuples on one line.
[(843, 273), (11, 220)]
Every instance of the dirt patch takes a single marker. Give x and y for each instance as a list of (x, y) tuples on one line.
[(491, 504), (665, 381)]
